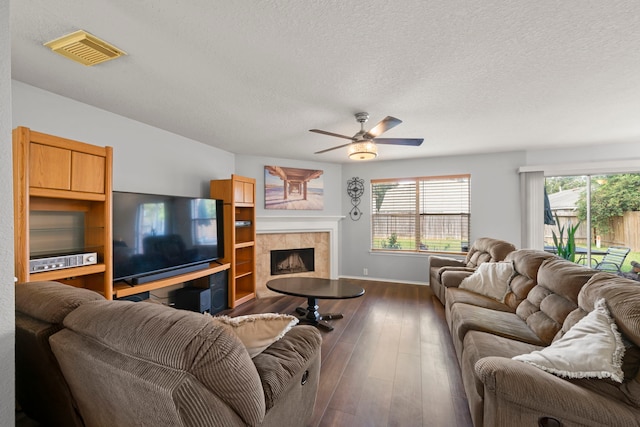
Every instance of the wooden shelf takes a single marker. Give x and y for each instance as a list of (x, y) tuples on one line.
[(124, 290), (238, 276), (63, 194), (67, 273), (241, 245), (238, 194), (242, 297)]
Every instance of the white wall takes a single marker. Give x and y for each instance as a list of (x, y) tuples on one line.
[(145, 159), (495, 209), (593, 153), (7, 304)]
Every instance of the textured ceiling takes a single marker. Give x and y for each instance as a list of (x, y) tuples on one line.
[(252, 77)]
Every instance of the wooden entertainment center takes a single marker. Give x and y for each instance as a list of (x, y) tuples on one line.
[(68, 184)]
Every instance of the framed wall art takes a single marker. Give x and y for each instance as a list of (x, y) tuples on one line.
[(293, 188)]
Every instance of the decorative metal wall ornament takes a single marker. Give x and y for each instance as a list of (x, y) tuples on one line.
[(355, 190)]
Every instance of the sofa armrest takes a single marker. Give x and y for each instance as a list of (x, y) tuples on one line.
[(451, 277), (516, 393), (289, 370), (440, 261)]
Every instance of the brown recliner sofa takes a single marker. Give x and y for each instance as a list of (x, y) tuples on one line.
[(445, 270), (41, 390), (140, 363), (487, 334)]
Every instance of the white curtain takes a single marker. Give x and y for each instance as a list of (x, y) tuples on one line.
[(532, 209)]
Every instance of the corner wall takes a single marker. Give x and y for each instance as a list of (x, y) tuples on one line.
[(7, 303)]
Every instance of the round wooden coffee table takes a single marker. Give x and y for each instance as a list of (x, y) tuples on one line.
[(313, 289)]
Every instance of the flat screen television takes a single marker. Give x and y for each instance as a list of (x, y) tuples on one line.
[(158, 236)]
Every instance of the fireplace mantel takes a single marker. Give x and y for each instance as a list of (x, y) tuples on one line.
[(267, 224), (308, 224)]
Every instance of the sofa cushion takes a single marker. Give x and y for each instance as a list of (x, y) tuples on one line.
[(490, 279), (465, 318), (526, 263), (456, 295), (554, 297), (592, 348), (465, 296), (258, 331), (286, 358), (487, 249), (51, 301)]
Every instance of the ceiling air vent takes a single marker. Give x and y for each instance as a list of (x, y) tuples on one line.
[(84, 48)]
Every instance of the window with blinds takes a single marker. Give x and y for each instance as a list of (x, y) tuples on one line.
[(421, 214)]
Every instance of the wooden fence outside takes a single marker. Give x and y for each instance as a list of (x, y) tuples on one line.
[(624, 231), (436, 227)]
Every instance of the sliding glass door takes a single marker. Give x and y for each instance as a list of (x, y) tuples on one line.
[(605, 209)]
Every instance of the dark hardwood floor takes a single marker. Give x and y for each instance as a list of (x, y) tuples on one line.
[(389, 362)]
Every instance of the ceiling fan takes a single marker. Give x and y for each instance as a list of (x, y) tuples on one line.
[(363, 143)]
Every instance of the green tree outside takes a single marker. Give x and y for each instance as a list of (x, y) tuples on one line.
[(612, 196), (559, 183)]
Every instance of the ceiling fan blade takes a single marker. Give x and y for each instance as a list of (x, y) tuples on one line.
[(324, 132), (399, 141), (332, 148), (384, 125)]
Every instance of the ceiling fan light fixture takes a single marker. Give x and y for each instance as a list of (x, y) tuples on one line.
[(364, 150), (363, 145)]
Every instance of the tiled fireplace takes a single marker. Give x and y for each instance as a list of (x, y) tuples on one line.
[(295, 234), (292, 261)]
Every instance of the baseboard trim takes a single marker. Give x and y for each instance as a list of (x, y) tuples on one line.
[(379, 279)]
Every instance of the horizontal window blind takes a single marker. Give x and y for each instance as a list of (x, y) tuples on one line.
[(420, 214)]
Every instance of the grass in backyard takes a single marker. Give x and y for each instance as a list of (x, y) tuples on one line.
[(395, 242), (408, 243)]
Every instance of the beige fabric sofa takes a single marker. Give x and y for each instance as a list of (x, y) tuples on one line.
[(141, 363), (448, 271), (548, 296)]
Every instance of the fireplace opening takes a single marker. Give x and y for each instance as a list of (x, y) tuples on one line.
[(289, 261)]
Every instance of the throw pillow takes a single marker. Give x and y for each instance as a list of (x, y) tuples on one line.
[(259, 331), (490, 279), (592, 348)]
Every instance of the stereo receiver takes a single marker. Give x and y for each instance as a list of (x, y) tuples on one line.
[(62, 261)]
